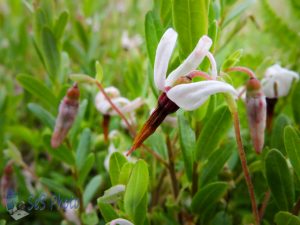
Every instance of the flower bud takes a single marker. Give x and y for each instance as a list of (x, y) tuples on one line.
[(256, 111), (67, 112)]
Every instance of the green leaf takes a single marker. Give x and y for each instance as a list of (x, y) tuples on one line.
[(2, 222), (279, 180), (13, 153), (236, 11), (136, 190), (50, 53), (99, 72), (62, 154), (166, 12), (91, 189), (113, 194), (295, 103), (56, 187), (153, 31), (38, 89), (212, 133), (187, 143), (208, 196), (277, 139), (117, 160), (89, 218), (292, 147), (190, 19), (107, 211), (79, 117), (83, 148), (42, 114), (286, 218), (60, 25), (86, 168), (125, 173), (215, 163)]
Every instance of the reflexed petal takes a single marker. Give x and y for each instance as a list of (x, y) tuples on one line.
[(163, 54), (133, 105), (214, 71), (191, 96), (120, 222), (192, 61), (281, 78)]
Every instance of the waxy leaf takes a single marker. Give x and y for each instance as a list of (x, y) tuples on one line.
[(154, 31), (61, 153), (187, 143), (208, 196), (295, 103), (279, 180), (42, 114), (38, 89), (286, 218), (125, 173), (117, 160), (91, 189), (190, 19), (292, 147), (215, 163), (277, 133), (136, 191), (57, 188), (107, 211), (90, 218), (113, 194), (212, 133), (86, 168), (83, 148), (60, 25), (51, 54)]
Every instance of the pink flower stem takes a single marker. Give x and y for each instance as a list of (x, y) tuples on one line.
[(242, 155), (198, 73), (242, 69)]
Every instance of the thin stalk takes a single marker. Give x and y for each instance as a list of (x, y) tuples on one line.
[(242, 69), (264, 204), (242, 155)]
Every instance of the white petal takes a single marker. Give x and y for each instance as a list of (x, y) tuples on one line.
[(283, 78), (120, 222), (214, 71), (133, 105), (192, 61), (191, 96), (163, 54)]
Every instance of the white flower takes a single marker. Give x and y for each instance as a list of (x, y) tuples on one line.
[(129, 43), (188, 96), (124, 105), (278, 81)]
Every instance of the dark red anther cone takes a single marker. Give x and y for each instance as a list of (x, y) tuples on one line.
[(164, 107), (105, 126), (271, 103)]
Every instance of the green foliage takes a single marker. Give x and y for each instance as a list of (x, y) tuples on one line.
[(279, 180), (286, 218)]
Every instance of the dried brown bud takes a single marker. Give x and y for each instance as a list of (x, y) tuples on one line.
[(256, 111), (67, 112), (164, 107)]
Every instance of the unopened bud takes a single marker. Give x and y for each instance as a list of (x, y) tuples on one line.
[(67, 112), (256, 111)]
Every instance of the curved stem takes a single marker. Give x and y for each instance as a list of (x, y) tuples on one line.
[(242, 155), (198, 73), (242, 69)]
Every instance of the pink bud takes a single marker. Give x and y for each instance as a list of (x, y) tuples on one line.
[(67, 112), (256, 111)]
